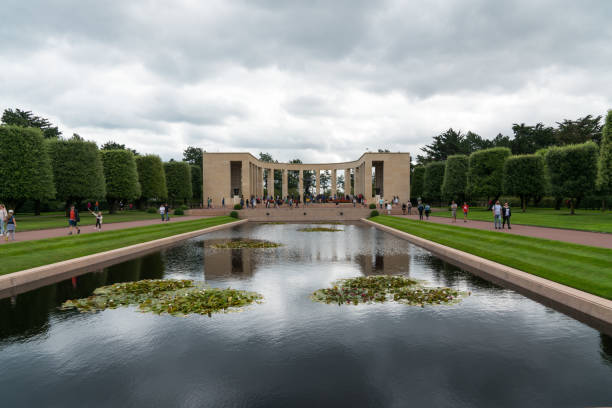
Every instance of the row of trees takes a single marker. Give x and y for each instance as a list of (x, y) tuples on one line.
[(38, 165)]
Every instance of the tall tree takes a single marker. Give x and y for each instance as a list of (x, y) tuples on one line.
[(572, 171), (193, 155), (432, 180), (485, 172), (112, 145), (266, 157), (196, 184), (445, 144), (524, 176), (24, 165), (529, 139), (77, 170), (121, 177), (579, 131), (455, 177), (604, 165), (18, 117), (152, 178), (178, 181), (416, 182)]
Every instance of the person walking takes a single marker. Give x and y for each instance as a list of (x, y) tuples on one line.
[(167, 211), (11, 226), (427, 211), (73, 220), (404, 208), (409, 207), (421, 208), (223, 202), (162, 212), (465, 208), (389, 208), (454, 211), (506, 214), (97, 206), (3, 218), (354, 202), (497, 212)]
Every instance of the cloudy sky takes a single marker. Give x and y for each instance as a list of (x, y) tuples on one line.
[(319, 80)]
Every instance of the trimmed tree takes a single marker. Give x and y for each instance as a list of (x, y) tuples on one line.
[(121, 177), (604, 166), (152, 178), (196, 183), (178, 181), (524, 176), (572, 170), (416, 186), (25, 167), (77, 170), (455, 177), (432, 180), (485, 172)]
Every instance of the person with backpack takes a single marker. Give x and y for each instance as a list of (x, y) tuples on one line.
[(73, 220), (420, 208), (427, 211)]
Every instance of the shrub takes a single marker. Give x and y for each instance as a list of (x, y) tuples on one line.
[(486, 171), (178, 181), (416, 186), (151, 177), (178, 211), (234, 214), (432, 180), (524, 176), (121, 176), (374, 213), (184, 207), (237, 207), (372, 206), (455, 177), (604, 174), (152, 210)]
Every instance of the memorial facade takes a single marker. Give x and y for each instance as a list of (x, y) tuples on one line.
[(230, 175)]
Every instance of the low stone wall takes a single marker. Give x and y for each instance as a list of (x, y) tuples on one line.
[(305, 214), (590, 309), (19, 282)]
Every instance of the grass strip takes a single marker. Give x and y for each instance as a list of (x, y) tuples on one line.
[(582, 267), (29, 254)]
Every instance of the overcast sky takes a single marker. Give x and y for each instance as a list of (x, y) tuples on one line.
[(318, 80)]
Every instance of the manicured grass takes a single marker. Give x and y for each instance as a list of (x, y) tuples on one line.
[(579, 266), (58, 220), (29, 254), (586, 220)]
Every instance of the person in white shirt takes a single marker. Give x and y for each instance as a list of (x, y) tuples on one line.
[(3, 217), (388, 208), (162, 212), (497, 214)]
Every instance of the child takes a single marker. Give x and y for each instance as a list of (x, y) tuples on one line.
[(11, 226), (98, 220)]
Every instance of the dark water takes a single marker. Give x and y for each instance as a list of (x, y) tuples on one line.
[(496, 349)]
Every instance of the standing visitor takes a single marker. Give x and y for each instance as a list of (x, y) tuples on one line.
[(223, 202), (97, 206), (404, 208), (454, 211), (427, 211), (388, 208), (409, 207), (11, 226), (466, 208), (208, 202), (380, 203), (506, 213), (167, 211), (354, 202), (162, 212), (497, 210), (420, 208), (3, 219), (98, 216), (73, 220)]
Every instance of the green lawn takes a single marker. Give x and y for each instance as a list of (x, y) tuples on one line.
[(29, 254), (58, 220), (587, 220), (579, 266)]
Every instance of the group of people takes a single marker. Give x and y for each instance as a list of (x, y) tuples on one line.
[(8, 223), (164, 212)]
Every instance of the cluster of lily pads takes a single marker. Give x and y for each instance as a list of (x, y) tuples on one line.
[(319, 229), (174, 297), (379, 289), (245, 243)]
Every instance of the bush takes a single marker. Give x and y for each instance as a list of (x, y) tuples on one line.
[(455, 177), (178, 211), (121, 176), (372, 206), (152, 210), (183, 207), (237, 207), (416, 186), (178, 181), (234, 214), (432, 180), (374, 213), (524, 176), (485, 172), (151, 177)]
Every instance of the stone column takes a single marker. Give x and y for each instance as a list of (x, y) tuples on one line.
[(245, 175), (260, 181), (285, 189), (367, 180), (333, 182), (317, 181), (347, 181), (270, 183), (301, 184)]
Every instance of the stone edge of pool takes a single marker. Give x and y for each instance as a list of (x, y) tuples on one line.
[(18, 282), (567, 297)]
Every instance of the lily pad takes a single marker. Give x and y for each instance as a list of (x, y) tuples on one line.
[(175, 297), (319, 229), (380, 289), (245, 243)]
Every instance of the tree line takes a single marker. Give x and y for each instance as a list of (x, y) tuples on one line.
[(570, 162), (38, 164)]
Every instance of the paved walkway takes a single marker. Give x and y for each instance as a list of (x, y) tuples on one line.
[(596, 239), (89, 229)]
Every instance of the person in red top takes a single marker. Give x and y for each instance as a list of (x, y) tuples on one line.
[(466, 208), (73, 220)]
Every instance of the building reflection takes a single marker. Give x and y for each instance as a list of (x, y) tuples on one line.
[(235, 263)]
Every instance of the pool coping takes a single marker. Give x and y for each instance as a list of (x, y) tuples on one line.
[(566, 298), (22, 281)]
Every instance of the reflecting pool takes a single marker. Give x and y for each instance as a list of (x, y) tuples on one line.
[(496, 348)]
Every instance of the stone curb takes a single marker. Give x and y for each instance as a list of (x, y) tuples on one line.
[(569, 298), (28, 279)]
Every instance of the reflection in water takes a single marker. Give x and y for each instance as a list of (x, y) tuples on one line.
[(606, 347)]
